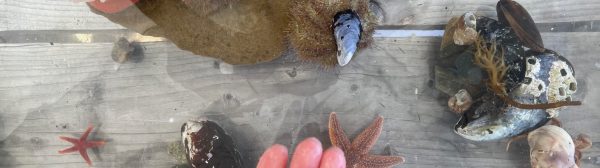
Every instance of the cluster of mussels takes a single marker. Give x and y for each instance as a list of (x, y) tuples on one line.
[(505, 83)]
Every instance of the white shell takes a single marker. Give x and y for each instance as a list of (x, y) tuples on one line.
[(533, 70), (551, 80), (558, 82)]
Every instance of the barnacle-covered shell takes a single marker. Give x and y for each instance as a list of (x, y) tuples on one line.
[(466, 33), (459, 33), (525, 85), (548, 79), (460, 102), (207, 145), (551, 146)]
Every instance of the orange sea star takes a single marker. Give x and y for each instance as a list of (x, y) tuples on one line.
[(357, 153)]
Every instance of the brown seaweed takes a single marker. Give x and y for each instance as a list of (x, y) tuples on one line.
[(486, 58)]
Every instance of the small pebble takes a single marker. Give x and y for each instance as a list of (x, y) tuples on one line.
[(226, 68)]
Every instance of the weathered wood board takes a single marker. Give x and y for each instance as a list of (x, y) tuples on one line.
[(59, 89), (68, 15), (436, 12), (50, 15)]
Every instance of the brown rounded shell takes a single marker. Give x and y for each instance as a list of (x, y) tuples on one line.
[(311, 31)]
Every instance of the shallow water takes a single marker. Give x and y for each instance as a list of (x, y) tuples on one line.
[(57, 77)]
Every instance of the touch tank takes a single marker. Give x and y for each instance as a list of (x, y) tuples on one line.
[(254, 83)]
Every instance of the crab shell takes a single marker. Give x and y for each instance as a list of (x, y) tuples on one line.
[(208, 145), (551, 146)]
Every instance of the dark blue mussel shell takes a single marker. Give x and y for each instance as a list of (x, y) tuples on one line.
[(491, 119)]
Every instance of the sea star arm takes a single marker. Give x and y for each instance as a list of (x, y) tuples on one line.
[(86, 133), (336, 134), (93, 144), (380, 161), (83, 153), (366, 139), (68, 139), (68, 150)]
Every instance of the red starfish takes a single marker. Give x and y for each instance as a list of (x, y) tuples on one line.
[(357, 151), (81, 145)]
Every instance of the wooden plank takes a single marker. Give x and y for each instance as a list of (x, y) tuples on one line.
[(436, 12), (57, 90), (67, 15), (50, 15)]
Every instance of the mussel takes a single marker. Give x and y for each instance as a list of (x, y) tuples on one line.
[(332, 32)]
